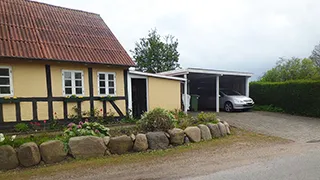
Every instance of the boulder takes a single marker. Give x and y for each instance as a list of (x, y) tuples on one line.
[(176, 136), (205, 132), (29, 154), (120, 144), (8, 158), (223, 129), (87, 147), (53, 151), (157, 140), (141, 143), (133, 137), (227, 127), (106, 140), (214, 129), (193, 133)]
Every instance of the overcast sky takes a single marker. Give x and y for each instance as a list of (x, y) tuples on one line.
[(240, 35)]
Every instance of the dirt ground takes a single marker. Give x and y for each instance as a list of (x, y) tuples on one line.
[(242, 148)]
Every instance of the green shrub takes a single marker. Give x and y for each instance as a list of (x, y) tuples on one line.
[(156, 120), (204, 118), (295, 97), (86, 129), (21, 127), (178, 114), (183, 123), (16, 141), (269, 108)]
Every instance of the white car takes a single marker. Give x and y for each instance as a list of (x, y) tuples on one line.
[(231, 100)]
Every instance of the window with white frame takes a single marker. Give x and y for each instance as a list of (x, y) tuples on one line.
[(6, 88), (107, 83), (72, 82)]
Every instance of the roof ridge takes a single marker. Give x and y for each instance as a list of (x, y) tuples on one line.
[(56, 6)]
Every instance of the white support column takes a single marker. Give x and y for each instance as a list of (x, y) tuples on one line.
[(217, 94), (247, 86), (129, 86), (185, 93)]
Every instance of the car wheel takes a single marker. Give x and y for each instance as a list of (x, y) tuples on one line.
[(228, 107)]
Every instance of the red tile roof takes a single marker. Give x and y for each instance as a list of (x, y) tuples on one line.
[(40, 31)]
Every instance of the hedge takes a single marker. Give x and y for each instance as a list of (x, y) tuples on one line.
[(295, 97)]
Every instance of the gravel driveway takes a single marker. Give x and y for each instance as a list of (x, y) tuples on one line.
[(296, 128)]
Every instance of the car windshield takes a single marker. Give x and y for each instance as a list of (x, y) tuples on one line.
[(230, 92)]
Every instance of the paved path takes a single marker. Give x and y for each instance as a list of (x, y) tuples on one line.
[(297, 128), (304, 165)]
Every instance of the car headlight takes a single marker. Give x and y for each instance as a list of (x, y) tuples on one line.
[(238, 101)]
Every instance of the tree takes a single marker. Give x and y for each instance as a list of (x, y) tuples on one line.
[(315, 55), (292, 69), (155, 54)]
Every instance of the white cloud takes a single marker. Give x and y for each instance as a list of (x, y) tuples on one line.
[(243, 35)]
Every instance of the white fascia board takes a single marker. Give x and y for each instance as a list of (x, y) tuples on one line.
[(156, 75), (219, 72), (175, 72)]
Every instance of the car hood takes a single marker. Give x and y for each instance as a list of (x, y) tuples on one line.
[(240, 97)]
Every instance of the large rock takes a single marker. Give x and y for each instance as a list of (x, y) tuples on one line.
[(8, 158), (141, 143), (29, 154), (53, 151), (193, 133), (157, 140), (87, 147), (205, 132), (176, 136), (106, 140), (222, 128), (214, 129), (120, 144), (227, 127)]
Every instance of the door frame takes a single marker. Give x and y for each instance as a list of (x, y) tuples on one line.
[(133, 76)]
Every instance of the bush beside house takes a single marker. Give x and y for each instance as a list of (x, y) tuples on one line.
[(294, 97)]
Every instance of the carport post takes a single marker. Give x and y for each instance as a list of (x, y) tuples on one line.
[(247, 86), (185, 93), (217, 93)]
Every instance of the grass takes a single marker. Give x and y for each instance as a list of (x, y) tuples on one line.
[(73, 165)]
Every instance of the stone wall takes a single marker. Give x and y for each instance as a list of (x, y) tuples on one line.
[(30, 154)]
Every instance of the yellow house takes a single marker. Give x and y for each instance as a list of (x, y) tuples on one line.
[(53, 59)]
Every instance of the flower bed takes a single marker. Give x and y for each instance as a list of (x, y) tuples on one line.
[(91, 139)]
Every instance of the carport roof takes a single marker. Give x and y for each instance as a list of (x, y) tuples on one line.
[(205, 71)]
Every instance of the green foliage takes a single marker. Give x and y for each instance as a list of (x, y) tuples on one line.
[(21, 127), (292, 69), (269, 108), (19, 140), (294, 97), (154, 55), (315, 55), (97, 116), (184, 122), (86, 129), (156, 120), (204, 118)]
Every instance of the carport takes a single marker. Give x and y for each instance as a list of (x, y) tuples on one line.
[(207, 83)]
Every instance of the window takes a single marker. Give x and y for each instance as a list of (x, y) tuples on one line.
[(72, 82), (106, 83), (6, 88)]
